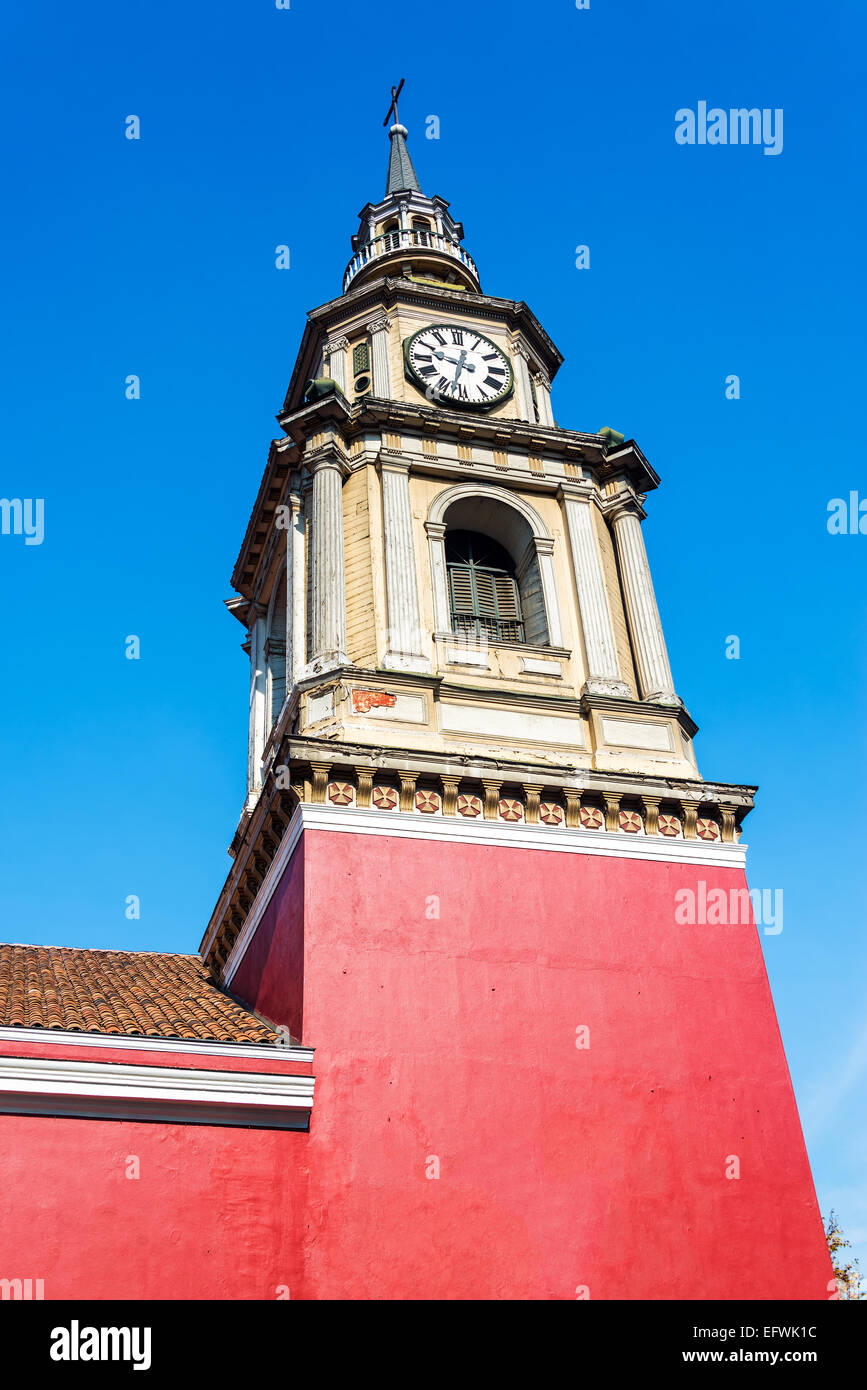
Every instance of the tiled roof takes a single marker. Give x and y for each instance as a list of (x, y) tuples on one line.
[(130, 993)]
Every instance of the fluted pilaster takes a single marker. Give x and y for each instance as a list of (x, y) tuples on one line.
[(335, 351), (522, 383), (258, 682), (543, 393), (378, 331), (404, 624), (327, 568), (296, 598), (603, 671), (645, 626)]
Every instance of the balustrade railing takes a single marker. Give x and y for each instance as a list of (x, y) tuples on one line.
[(406, 239)]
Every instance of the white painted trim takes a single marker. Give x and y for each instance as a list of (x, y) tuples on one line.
[(59, 1037), (456, 830), (115, 1090), (559, 839), (260, 903)]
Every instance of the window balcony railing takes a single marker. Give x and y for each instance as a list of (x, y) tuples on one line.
[(471, 629), (408, 239)]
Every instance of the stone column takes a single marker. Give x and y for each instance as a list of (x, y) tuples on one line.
[(645, 627), (603, 671), (335, 351), (296, 596), (401, 585), (378, 331), (328, 646), (543, 393), (522, 382), (258, 682)]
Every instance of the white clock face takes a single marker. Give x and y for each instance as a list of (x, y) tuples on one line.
[(458, 366)]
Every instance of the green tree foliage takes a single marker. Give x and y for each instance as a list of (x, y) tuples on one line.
[(846, 1272)]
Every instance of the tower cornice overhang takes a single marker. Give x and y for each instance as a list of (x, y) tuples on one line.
[(284, 456), (572, 445), (281, 457)]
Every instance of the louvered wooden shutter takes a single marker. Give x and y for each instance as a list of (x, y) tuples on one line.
[(483, 601), (508, 607), (461, 579), (486, 594)]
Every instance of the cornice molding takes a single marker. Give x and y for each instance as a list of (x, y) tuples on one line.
[(183, 1095)]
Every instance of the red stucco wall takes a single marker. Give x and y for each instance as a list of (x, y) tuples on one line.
[(216, 1213), (454, 1038), (451, 1037)]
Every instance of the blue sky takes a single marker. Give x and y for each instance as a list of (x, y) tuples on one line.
[(156, 257)]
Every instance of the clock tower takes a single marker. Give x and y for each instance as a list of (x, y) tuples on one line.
[(473, 818)]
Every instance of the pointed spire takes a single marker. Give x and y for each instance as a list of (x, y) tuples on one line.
[(401, 174)]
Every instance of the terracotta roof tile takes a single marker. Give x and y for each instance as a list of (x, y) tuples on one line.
[(130, 993)]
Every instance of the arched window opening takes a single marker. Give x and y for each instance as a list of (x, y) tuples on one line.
[(421, 230), (483, 588), (391, 235), (524, 557)]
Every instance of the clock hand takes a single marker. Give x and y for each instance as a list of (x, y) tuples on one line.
[(460, 365), (442, 357)]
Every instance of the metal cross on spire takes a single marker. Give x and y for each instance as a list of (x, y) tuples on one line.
[(401, 174), (392, 110)]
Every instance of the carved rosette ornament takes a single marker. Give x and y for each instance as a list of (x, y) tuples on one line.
[(385, 798), (340, 793), (706, 829)]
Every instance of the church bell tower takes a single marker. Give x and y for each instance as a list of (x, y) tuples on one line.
[(472, 803)]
